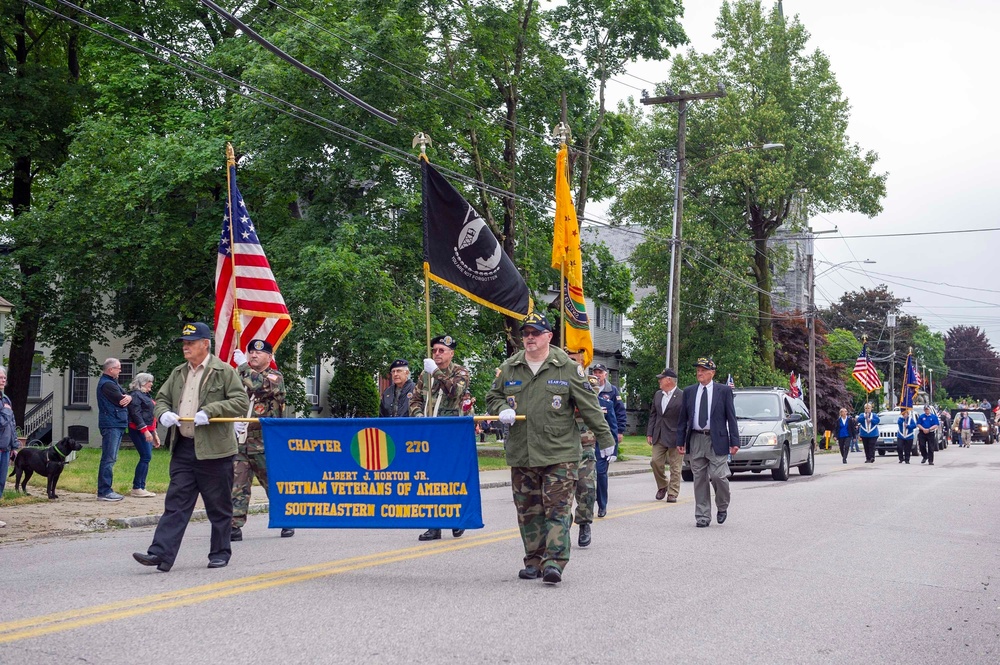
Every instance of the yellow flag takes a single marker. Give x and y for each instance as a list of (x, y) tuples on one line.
[(567, 258)]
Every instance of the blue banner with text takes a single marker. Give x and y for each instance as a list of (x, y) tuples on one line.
[(372, 473)]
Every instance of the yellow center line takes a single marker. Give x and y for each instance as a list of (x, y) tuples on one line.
[(23, 629)]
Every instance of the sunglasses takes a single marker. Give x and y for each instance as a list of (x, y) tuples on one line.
[(532, 333)]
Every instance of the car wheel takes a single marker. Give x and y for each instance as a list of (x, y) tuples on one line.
[(781, 473), (687, 475), (881, 453), (809, 467)]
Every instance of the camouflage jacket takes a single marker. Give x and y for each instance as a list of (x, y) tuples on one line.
[(267, 389), (449, 383)]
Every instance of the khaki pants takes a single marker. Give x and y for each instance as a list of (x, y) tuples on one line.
[(710, 471), (664, 458)]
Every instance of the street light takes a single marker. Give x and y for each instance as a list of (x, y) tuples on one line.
[(673, 291)]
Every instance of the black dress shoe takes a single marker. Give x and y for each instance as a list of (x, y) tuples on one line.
[(287, 533), (602, 512), (457, 533), (721, 516), (660, 493), (584, 539), (152, 560), (236, 535), (552, 575), (217, 563), (430, 534), (701, 524), (530, 573)]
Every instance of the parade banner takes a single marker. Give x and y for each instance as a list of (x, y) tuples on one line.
[(372, 473)]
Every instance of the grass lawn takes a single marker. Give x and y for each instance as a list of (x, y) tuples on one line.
[(12, 498)]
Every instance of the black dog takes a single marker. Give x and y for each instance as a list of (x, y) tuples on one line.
[(48, 462)]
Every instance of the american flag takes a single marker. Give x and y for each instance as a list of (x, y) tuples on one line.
[(794, 385), (865, 372), (729, 382), (250, 306)]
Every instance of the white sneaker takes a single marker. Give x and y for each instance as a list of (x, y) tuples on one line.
[(142, 494), (111, 496), (2, 524)]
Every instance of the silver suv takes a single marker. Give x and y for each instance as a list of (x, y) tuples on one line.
[(776, 433)]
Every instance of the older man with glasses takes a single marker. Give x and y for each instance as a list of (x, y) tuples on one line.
[(440, 395)]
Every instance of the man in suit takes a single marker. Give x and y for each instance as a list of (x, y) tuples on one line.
[(661, 434), (709, 430)]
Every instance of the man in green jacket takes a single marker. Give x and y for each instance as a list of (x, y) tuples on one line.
[(201, 388), (543, 451)]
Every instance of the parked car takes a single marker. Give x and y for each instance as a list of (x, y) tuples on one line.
[(776, 433), (983, 429)]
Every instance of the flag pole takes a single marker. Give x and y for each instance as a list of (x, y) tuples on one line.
[(423, 140), (230, 165)]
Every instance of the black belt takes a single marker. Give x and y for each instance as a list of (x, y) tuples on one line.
[(702, 431)]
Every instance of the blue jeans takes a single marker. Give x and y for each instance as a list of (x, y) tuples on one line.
[(111, 439), (145, 450), (4, 462), (602, 482)]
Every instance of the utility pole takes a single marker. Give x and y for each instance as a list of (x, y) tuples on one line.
[(811, 321), (891, 323), (673, 294)]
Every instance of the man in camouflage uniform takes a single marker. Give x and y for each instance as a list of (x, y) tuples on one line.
[(448, 382), (266, 388), (586, 475), (544, 450)]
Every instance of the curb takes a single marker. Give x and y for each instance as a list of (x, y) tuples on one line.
[(262, 507)]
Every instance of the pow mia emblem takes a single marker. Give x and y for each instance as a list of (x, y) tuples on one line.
[(511, 402), (557, 401)]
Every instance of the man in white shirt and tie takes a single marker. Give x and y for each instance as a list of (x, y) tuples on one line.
[(708, 428), (661, 435)]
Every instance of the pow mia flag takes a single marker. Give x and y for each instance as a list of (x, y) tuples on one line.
[(461, 252)]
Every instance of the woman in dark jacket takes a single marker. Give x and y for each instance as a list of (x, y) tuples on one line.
[(142, 430)]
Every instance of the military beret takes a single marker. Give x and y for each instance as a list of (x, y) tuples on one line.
[(399, 362), (446, 340), (707, 363), (667, 372), (536, 321), (260, 345)]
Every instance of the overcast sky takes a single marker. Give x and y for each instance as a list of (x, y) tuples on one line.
[(922, 80)]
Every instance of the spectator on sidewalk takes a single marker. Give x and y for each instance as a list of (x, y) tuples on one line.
[(9, 442), (142, 430), (112, 419)]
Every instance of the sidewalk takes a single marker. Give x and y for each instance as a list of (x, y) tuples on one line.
[(75, 513)]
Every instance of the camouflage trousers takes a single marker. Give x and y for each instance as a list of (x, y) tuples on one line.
[(249, 462), (543, 497), (586, 487)]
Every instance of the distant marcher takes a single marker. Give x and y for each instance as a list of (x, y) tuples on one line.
[(585, 490), (847, 429), (112, 419), (544, 451), (906, 425), (604, 459), (265, 388), (615, 395), (396, 398), (708, 428), (201, 462), (965, 425), (142, 430), (868, 430), (9, 442), (661, 435), (928, 424), (448, 381)]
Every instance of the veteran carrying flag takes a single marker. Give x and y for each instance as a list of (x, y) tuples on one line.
[(461, 252), (567, 258)]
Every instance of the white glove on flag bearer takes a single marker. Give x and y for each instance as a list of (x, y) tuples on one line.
[(430, 366), (507, 416), (169, 419), (239, 357), (200, 418), (240, 427), (607, 452)]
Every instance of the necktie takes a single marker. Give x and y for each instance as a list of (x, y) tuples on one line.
[(703, 409)]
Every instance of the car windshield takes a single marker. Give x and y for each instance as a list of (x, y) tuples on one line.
[(886, 416), (757, 406), (978, 416)]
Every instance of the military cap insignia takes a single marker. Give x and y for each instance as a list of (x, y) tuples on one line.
[(706, 363)]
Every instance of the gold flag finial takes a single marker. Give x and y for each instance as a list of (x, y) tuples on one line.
[(230, 155)]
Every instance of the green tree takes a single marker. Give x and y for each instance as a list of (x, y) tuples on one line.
[(352, 394)]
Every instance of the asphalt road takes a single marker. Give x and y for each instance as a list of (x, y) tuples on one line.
[(882, 563)]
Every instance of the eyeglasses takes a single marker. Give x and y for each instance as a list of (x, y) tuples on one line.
[(439, 349), (532, 333)]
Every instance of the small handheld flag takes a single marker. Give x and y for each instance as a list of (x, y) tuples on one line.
[(794, 386), (729, 381)]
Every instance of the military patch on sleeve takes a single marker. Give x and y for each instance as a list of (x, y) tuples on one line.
[(579, 371)]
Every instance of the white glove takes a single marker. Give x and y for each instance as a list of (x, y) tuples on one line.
[(240, 427), (430, 366), (613, 458), (239, 357), (200, 418), (507, 416), (608, 452), (169, 419)]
